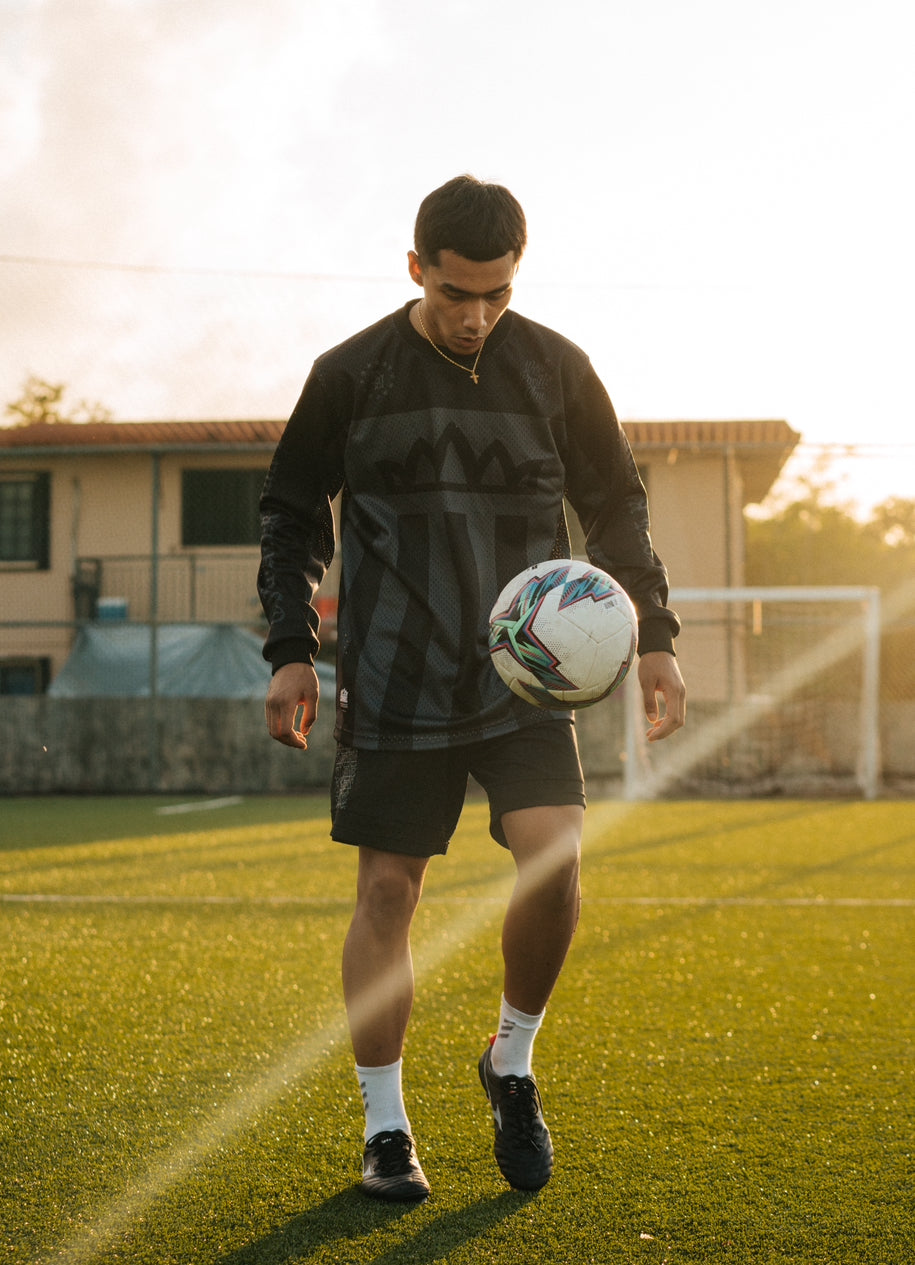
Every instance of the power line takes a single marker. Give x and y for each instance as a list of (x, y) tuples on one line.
[(263, 274), (90, 265)]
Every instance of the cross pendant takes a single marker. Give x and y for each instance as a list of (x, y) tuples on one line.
[(474, 377)]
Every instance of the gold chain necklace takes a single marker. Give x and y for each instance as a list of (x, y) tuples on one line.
[(474, 376)]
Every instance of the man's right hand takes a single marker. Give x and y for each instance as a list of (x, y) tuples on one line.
[(293, 686)]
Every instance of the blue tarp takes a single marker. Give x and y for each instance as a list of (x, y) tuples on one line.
[(194, 661)]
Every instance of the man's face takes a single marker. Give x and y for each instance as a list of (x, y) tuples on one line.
[(463, 298)]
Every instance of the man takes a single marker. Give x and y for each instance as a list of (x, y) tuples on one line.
[(454, 428)]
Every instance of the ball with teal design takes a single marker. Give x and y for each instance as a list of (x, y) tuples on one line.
[(563, 634)]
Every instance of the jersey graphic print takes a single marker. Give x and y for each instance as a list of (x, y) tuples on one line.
[(442, 507), (452, 464)]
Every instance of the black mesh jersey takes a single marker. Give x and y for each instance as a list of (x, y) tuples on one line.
[(450, 488)]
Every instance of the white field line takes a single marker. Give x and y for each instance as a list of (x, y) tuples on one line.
[(200, 805)]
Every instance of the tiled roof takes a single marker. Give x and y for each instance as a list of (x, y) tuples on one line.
[(143, 435), (148, 435), (689, 434), (761, 448)]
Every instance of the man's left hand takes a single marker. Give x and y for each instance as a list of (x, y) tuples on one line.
[(659, 676)]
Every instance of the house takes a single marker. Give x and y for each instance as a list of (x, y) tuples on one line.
[(157, 523)]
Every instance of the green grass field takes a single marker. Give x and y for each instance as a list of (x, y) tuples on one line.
[(727, 1063)]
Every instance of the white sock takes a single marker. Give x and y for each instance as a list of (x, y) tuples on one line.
[(382, 1098), (511, 1050)]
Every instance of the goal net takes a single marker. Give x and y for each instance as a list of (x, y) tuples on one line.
[(783, 698)]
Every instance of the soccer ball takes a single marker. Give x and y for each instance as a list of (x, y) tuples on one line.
[(562, 634)]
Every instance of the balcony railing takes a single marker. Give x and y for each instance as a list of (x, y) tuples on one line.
[(196, 586)]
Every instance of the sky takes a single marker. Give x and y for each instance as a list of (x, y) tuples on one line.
[(196, 199)]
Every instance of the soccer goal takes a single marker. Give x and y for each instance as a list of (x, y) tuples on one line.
[(784, 696)]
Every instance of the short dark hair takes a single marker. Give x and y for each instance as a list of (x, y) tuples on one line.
[(472, 217)]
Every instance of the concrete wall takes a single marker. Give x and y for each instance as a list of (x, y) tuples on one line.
[(211, 746), (217, 746), (125, 746)]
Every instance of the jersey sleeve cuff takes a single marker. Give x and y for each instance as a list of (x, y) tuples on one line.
[(291, 651), (654, 635)]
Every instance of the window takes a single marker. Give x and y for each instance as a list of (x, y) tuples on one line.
[(24, 514), (24, 676), (220, 507)]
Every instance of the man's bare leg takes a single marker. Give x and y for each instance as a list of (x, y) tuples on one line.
[(539, 924), (543, 911), (378, 989), (377, 962)]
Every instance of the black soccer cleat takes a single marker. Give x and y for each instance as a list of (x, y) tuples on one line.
[(523, 1149), (390, 1169)]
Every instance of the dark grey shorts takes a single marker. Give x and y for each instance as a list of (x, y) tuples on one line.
[(410, 801)]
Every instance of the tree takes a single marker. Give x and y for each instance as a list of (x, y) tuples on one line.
[(42, 401), (893, 522), (812, 542)]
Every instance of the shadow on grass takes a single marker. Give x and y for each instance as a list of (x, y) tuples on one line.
[(54, 821), (350, 1216), (772, 812)]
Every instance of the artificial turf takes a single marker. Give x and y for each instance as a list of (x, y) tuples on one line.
[(726, 1062)]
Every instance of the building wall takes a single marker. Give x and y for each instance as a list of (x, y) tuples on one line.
[(101, 507), (696, 518), (696, 503)]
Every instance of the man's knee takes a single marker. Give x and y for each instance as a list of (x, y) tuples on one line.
[(389, 885), (553, 828), (546, 843)]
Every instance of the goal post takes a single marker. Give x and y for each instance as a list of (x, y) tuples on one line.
[(783, 696)]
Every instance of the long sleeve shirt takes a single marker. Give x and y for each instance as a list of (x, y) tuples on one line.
[(450, 488)]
